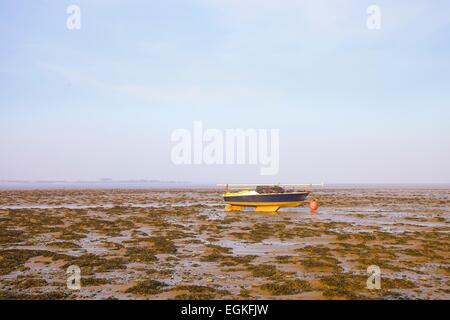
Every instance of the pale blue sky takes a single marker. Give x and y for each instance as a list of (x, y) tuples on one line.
[(352, 105)]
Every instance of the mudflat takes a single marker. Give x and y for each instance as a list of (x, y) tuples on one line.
[(182, 244)]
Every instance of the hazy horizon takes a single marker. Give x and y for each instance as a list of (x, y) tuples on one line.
[(142, 183), (352, 105)]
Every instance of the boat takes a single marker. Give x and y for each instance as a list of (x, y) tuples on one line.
[(266, 198)]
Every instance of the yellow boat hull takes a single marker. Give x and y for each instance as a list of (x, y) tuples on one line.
[(261, 206), (266, 202)]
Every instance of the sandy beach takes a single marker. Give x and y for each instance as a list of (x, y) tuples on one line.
[(182, 244)]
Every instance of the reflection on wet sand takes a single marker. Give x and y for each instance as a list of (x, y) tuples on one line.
[(182, 244)]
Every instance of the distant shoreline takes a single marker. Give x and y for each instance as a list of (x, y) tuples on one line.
[(154, 184)]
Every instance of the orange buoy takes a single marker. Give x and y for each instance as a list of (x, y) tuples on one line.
[(313, 205)]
